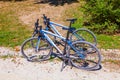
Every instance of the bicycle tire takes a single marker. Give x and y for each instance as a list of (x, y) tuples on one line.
[(83, 34), (28, 49), (86, 56)]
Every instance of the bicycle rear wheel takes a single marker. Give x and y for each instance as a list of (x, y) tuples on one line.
[(31, 53), (84, 55), (83, 34)]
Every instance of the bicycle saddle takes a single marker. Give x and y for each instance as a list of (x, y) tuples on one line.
[(72, 20)]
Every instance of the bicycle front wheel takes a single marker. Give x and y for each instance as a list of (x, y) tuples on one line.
[(83, 34), (36, 49), (84, 55)]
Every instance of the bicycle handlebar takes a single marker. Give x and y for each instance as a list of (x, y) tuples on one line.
[(44, 17), (46, 20), (37, 25)]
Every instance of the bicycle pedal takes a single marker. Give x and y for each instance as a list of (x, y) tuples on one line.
[(66, 62)]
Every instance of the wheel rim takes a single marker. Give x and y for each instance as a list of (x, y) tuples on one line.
[(91, 57), (84, 35), (30, 52)]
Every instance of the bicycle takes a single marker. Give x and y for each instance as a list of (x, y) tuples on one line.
[(79, 54), (76, 34)]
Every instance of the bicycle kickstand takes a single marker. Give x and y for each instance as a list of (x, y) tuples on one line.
[(70, 63), (63, 65)]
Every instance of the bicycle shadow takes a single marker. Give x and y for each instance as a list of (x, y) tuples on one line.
[(97, 68), (56, 2), (66, 63)]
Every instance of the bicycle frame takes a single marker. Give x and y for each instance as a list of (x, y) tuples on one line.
[(45, 36), (53, 27)]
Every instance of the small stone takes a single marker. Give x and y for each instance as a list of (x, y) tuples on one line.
[(17, 48)]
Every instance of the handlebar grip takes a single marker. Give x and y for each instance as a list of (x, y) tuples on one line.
[(44, 17)]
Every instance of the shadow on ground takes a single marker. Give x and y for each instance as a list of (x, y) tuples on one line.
[(55, 2)]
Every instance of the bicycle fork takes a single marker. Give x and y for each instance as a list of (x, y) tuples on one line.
[(37, 45)]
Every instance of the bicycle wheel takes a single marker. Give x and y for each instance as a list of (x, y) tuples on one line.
[(84, 35), (84, 55), (31, 53)]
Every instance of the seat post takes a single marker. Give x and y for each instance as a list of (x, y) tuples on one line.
[(67, 38), (70, 24)]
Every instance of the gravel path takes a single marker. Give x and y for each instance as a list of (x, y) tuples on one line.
[(24, 70), (17, 68)]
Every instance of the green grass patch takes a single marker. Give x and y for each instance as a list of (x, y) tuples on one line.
[(12, 32), (108, 41)]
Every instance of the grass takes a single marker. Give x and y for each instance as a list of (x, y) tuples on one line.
[(108, 41), (12, 31)]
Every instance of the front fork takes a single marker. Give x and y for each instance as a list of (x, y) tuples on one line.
[(37, 45)]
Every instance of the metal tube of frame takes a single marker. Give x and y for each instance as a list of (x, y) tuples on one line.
[(52, 34), (37, 46), (52, 43), (55, 30), (58, 24)]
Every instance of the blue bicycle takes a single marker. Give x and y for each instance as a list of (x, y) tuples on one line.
[(80, 34), (79, 54)]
